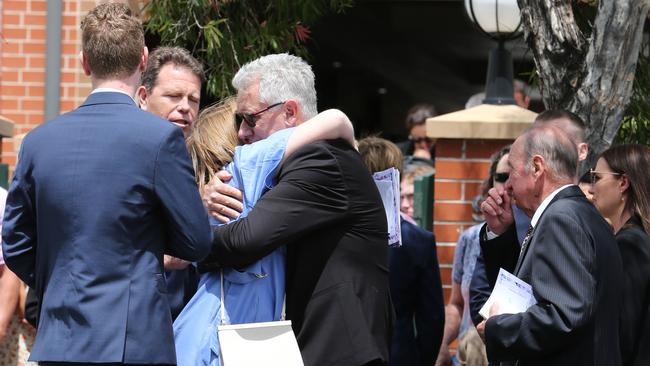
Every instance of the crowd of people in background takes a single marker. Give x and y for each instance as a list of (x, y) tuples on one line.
[(136, 224)]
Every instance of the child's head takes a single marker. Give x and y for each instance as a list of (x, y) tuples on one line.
[(379, 154)]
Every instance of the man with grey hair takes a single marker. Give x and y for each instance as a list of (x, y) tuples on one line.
[(569, 257), (328, 213)]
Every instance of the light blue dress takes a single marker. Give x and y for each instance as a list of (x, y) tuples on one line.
[(253, 294)]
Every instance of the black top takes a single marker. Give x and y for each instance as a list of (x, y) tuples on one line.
[(634, 245)]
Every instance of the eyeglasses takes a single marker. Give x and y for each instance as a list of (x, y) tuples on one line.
[(417, 140), (501, 177), (596, 175), (251, 118)]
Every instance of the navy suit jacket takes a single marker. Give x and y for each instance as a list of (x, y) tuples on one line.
[(416, 290), (98, 195)]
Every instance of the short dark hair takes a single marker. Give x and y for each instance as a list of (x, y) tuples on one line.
[(575, 129), (494, 161), (177, 56), (418, 114), (112, 40)]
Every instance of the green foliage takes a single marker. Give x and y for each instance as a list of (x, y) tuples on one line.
[(636, 123), (225, 34)]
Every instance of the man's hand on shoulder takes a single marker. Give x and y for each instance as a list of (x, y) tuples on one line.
[(222, 201), (497, 210)]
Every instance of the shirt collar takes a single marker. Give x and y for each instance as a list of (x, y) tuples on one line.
[(540, 210), (112, 90)]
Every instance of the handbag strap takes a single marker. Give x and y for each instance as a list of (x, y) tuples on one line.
[(223, 302), (222, 311)]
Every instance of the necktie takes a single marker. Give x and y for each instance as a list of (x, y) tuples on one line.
[(524, 245)]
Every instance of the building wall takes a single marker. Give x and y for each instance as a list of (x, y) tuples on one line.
[(23, 59), (461, 167)]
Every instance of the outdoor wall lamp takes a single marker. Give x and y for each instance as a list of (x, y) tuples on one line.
[(501, 21)]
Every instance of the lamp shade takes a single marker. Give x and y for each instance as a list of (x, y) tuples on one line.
[(495, 17)]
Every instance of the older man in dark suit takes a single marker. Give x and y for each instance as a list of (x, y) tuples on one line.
[(98, 195), (569, 257)]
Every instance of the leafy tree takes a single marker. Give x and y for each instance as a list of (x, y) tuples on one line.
[(226, 34), (636, 123), (587, 70)]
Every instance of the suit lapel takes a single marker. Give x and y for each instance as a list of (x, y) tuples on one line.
[(572, 191)]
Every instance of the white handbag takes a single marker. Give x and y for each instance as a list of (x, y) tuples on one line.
[(252, 344)]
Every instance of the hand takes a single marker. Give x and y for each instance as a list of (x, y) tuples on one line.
[(480, 328), (497, 210), (444, 358), (494, 310), (172, 263), (222, 201)]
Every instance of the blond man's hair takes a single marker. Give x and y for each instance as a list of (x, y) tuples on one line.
[(112, 40), (212, 140)]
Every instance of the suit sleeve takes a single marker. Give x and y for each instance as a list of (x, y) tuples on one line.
[(563, 259), (186, 220), (479, 290), (430, 312), (634, 246), (500, 252), (19, 240), (310, 194)]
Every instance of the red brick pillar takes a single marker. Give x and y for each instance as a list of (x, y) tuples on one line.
[(461, 167)]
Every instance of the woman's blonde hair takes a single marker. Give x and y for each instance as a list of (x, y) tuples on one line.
[(212, 140)]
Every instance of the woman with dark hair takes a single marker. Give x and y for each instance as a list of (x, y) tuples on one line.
[(619, 185)]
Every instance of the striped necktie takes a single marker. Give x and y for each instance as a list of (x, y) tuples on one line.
[(524, 245)]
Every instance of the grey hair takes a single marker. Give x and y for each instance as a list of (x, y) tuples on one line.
[(558, 150), (281, 77)]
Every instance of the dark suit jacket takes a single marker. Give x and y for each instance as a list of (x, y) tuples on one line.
[(634, 245), (417, 295), (574, 268), (97, 197), (326, 209)]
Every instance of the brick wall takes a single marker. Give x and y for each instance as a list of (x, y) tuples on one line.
[(22, 63), (461, 167)]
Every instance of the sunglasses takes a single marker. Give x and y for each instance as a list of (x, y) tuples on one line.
[(595, 176), (501, 177), (252, 118), (418, 140)]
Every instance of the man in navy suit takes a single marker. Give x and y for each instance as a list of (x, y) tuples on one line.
[(171, 89), (98, 195)]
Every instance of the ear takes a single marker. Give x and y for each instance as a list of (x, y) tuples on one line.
[(539, 166), (583, 150), (141, 96), (143, 59), (624, 183), (84, 63), (291, 111)]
